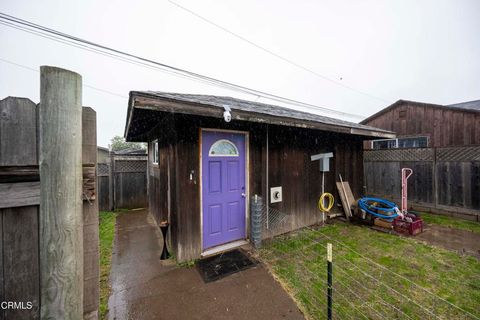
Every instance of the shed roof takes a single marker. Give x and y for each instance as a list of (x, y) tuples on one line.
[(471, 106), (244, 110)]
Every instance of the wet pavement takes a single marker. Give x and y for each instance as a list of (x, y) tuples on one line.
[(462, 241), (144, 287)]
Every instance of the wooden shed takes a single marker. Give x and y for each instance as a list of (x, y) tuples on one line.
[(204, 170)]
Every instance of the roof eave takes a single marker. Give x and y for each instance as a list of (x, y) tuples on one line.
[(129, 115), (140, 100)]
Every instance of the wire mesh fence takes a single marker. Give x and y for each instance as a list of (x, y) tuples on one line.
[(373, 282), (274, 222)]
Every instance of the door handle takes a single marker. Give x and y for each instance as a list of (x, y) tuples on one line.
[(243, 194)]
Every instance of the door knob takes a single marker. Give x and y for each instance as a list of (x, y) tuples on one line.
[(243, 194)]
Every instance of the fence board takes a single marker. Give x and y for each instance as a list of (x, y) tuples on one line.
[(130, 190), (18, 132), (104, 193), (128, 187), (443, 177), (19, 211), (21, 268), (19, 194), (2, 279), (475, 184), (91, 268)]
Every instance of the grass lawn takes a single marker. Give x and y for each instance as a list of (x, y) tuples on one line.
[(375, 275), (451, 222), (107, 232)]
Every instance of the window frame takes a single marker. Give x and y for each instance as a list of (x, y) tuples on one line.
[(380, 140), (155, 152), (237, 154), (396, 146)]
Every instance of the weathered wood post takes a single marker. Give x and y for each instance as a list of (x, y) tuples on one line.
[(61, 221), (90, 215), (111, 181)]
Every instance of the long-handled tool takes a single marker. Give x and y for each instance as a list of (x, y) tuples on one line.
[(406, 173), (349, 212)]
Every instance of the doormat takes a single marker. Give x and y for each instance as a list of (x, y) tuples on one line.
[(224, 264)]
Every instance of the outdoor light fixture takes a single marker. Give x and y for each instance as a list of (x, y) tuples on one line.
[(227, 116)]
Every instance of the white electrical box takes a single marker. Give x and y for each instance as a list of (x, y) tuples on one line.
[(275, 194), (324, 160)]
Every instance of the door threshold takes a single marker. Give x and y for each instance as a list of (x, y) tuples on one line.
[(224, 247)]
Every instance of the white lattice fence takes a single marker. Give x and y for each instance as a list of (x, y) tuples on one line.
[(410, 154), (136, 165), (459, 154)]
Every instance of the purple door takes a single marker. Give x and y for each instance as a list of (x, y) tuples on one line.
[(223, 187)]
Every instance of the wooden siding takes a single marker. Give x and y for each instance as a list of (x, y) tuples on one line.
[(443, 126), (289, 166)]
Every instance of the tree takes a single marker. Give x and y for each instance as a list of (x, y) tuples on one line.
[(118, 143)]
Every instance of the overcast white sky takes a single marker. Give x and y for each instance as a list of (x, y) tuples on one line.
[(419, 50)]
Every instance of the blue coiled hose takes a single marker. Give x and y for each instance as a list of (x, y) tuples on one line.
[(390, 207)]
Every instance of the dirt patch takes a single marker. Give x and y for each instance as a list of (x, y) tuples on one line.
[(462, 241)]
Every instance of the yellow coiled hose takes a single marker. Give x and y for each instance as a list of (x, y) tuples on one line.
[(331, 200)]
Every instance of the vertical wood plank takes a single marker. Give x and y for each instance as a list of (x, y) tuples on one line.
[(467, 183), (475, 184), (91, 268), (2, 279), (18, 127), (21, 263)]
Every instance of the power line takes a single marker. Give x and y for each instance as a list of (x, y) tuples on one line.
[(300, 66), (85, 85), (70, 40)]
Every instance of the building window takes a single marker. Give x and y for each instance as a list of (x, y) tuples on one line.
[(408, 142), (223, 148), (384, 144), (414, 142), (402, 114), (155, 152)]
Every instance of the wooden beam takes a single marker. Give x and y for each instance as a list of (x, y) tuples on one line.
[(19, 174), (19, 194), (61, 220)]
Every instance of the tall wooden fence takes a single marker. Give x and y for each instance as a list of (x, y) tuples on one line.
[(445, 180), (122, 182), (19, 210)]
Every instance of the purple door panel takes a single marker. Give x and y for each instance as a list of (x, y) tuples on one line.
[(223, 187)]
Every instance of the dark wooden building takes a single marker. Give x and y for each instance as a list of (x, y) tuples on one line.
[(429, 125), (204, 170), (442, 146)]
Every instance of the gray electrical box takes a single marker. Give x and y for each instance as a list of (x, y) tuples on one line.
[(325, 164), (324, 159)]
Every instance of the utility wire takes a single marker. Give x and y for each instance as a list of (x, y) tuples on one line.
[(124, 56), (85, 85), (106, 54), (283, 58)]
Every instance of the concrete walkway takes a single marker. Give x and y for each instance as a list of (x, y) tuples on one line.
[(143, 287)]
